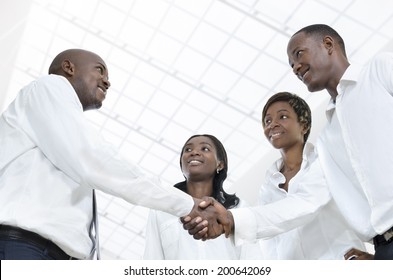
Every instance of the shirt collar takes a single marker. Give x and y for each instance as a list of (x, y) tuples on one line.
[(71, 88), (274, 174), (350, 76), (330, 109)]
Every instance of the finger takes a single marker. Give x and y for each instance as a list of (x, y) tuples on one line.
[(351, 254), (206, 202), (192, 224), (185, 219), (227, 223), (203, 204), (215, 230), (364, 256), (197, 228), (202, 234), (352, 257)]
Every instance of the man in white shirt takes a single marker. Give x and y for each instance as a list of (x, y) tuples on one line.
[(51, 160), (296, 217), (355, 148)]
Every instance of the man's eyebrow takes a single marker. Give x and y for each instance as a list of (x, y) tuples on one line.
[(103, 65)]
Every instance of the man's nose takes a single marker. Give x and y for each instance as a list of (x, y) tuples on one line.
[(106, 82), (296, 67)]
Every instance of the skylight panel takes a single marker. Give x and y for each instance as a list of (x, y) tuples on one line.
[(237, 55)]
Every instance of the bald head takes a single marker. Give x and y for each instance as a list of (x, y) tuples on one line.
[(72, 55), (87, 74)]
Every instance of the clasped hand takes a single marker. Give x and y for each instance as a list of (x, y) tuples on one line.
[(355, 254), (208, 219)]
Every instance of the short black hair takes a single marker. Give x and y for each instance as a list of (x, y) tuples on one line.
[(322, 30), (298, 104)]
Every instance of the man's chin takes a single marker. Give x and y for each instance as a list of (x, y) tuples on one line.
[(313, 88), (95, 106)]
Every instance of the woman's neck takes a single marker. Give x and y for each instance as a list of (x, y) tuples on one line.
[(292, 158), (292, 161), (200, 189)]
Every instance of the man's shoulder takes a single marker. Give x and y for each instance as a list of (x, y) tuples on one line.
[(47, 81), (51, 78), (53, 83), (382, 55), (382, 58), (380, 67)]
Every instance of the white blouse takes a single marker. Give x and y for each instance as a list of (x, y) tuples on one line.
[(166, 239), (303, 223)]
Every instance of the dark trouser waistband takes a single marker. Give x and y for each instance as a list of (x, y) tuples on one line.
[(15, 233), (384, 238)]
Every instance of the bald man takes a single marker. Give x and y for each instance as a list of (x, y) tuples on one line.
[(51, 159)]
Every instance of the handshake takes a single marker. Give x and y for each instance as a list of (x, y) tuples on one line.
[(208, 219)]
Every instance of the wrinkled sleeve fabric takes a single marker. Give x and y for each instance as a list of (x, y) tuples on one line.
[(153, 244), (54, 120), (309, 194)]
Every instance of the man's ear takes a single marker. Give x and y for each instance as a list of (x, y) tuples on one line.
[(328, 42), (68, 67)]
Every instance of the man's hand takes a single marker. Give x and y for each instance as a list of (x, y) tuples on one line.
[(208, 219), (355, 254)]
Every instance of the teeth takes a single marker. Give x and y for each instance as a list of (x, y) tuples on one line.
[(194, 161), (302, 77), (275, 135), (102, 91)]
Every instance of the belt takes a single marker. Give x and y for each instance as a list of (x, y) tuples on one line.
[(384, 238), (15, 233)]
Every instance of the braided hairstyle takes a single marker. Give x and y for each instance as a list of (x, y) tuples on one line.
[(298, 104)]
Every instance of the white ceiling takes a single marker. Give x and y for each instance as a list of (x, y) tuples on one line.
[(180, 67)]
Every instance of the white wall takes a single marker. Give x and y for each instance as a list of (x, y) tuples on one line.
[(12, 25)]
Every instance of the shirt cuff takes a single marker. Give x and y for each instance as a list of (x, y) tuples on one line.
[(245, 226)]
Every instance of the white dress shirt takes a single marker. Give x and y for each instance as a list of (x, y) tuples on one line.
[(51, 159), (356, 150), (303, 223), (167, 240)]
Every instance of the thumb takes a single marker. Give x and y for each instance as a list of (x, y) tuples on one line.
[(206, 202)]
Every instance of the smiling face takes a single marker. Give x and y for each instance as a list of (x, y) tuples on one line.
[(310, 60), (282, 127), (89, 77), (199, 159)]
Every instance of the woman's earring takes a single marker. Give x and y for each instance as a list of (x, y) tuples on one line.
[(218, 171)]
